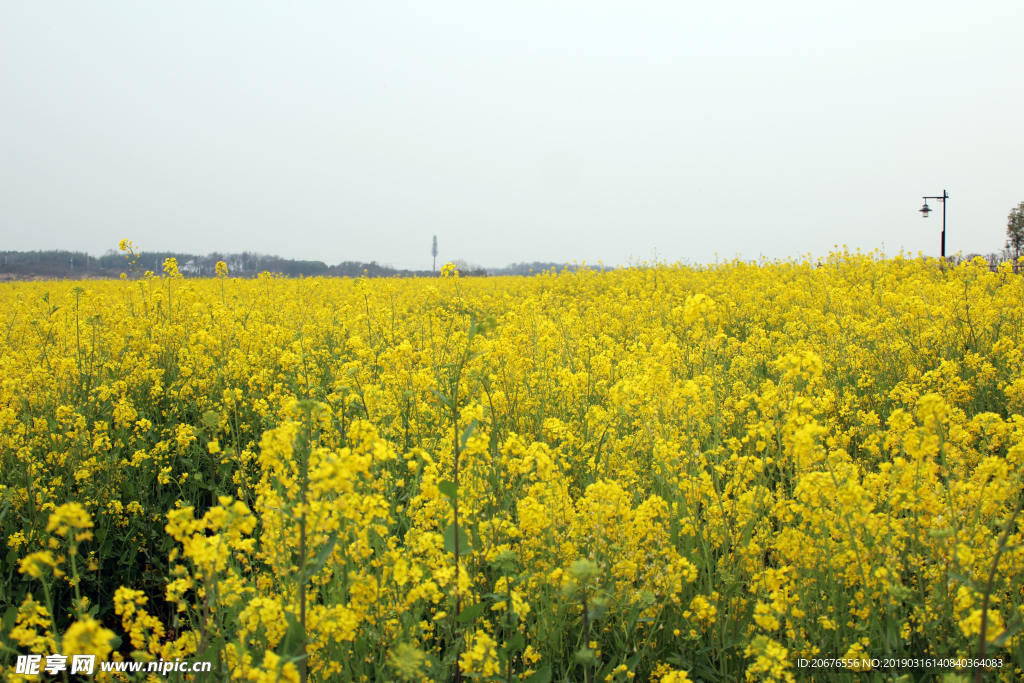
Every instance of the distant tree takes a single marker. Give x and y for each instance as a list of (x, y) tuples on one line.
[(1015, 230), (433, 252)]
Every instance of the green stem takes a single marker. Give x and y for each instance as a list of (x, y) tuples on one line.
[(303, 495), (588, 670), (455, 517), (982, 642)]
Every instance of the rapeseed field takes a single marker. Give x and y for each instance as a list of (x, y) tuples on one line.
[(660, 473)]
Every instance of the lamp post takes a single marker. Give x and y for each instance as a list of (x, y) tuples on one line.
[(925, 210)]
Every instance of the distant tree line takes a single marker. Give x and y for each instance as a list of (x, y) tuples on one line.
[(540, 267), (68, 264), (49, 264), (1015, 231), (80, 265)]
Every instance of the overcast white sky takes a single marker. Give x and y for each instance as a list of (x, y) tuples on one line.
[(514, 131)]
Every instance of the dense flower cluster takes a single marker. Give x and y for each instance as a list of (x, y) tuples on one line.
[(657, 473)]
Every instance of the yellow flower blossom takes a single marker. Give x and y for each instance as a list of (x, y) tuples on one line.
[(272, 471)]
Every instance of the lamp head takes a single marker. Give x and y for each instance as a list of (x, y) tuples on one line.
[(924, 210)]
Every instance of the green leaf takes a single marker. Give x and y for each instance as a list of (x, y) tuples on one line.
[(294, 640), (115, 643), (605, 671), (515, 643), (448, 488), (444, 399), (733, 642), (598, 610), (962, 579), (471, 613), (708, 674), (321, 557), (1007, 633), (634, 614), (468, 432), (9, 618), (540, 676), (12, 557), (449, 540), (215, 646)]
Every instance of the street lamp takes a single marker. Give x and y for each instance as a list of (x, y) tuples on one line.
[(925, 210)]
